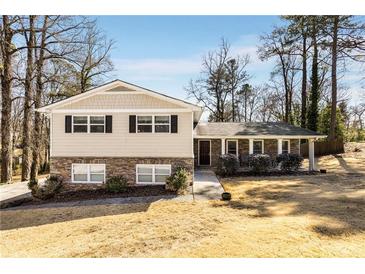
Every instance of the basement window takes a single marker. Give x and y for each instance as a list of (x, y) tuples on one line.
[(152, 174)]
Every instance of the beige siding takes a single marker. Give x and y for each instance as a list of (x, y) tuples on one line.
[(121, 143), (120, 101)]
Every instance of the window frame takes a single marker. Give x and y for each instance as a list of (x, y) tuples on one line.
[(88, 124), (232, 140), (286, 140), (262, 146), (153, 166), (88, 181), (153, 124)]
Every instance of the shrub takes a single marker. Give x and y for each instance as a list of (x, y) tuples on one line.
[(116, 184), (49, 188), (260, 162), (289, 162), (228, 165), (178, 181)]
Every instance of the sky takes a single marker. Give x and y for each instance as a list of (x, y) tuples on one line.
[(163, 53)]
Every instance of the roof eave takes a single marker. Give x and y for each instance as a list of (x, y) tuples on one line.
[(260, 136)]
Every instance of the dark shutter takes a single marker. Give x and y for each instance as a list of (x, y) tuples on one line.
[(108, 124), (68, 123), (132, 123), (173, 123)]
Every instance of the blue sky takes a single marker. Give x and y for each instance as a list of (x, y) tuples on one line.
[(164, 52)]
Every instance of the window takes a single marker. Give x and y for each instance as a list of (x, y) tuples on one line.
[(87, 124), (162, 124), (79, 123), (156, 124), (258, 146), (232, 147), (150, 174), (285, 146), (88, 173), (97, 124), (144, 123)]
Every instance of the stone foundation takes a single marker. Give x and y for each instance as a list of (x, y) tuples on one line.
[(114, 166)]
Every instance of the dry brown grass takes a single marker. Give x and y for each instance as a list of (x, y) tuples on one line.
[(310, 216)]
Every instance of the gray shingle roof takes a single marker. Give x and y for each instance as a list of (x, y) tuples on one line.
[(251, 129)]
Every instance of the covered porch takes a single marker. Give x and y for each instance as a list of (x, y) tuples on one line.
[(208, 150)]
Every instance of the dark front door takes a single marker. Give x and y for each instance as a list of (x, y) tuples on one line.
[(204, 153)]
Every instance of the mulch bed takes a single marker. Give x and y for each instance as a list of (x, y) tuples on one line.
[(275, 173), (93, 194)]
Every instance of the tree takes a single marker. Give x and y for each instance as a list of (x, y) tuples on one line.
[(298, 31), (324, 122), (346, 40), (39, 54), (215, 85), (92, 61), (314, 95), (6, 74), (236, 76), (29, 35), (277, 44)]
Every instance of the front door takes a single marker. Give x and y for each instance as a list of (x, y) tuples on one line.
[(204, 153)]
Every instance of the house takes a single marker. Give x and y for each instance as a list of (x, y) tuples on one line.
[(123, 129)]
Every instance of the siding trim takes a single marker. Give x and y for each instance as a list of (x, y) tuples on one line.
[(161, 110)]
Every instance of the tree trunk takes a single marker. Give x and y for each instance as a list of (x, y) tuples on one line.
[(37, 103), (313, 110), (286, 87), (332, 132), (233, 106), (6, 81), (28, 97), (303, 121)]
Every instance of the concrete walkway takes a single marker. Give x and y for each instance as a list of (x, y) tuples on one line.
[(13, 193), (206, 185)]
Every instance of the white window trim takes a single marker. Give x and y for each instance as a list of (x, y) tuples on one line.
[(153, 173), (262, 146), (153, 123), (236, 141), (287, 140), (88, 174), (210, 152), (88, 124)]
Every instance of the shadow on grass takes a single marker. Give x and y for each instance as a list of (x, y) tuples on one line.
[(29, 216), (323, 196)]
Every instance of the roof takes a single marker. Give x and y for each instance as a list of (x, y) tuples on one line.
[(220, 129), (112, 86)]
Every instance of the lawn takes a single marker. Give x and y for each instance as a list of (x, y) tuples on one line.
[(308, 216)]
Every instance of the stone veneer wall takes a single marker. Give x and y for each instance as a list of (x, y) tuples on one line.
[(294, 146), (125, 166), (271, 147)]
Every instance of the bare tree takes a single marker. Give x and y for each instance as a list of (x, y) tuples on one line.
[(210, 89), (92, 62)]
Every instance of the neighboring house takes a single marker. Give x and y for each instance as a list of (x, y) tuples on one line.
[(123, 129)]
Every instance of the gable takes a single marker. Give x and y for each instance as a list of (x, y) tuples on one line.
[(120, 88), (124, 100)]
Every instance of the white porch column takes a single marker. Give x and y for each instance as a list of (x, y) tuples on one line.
[(280, 146), (223, 146), (250, 146), (311, 155)]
